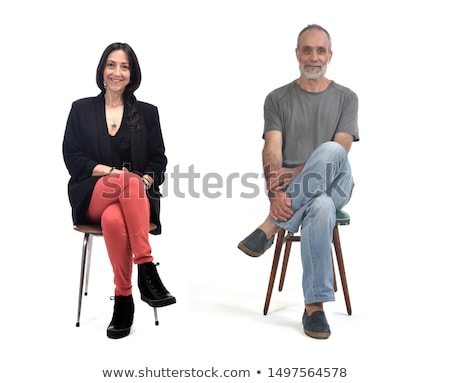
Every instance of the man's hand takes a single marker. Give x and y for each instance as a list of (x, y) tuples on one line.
[(281, 178), (280, 206)]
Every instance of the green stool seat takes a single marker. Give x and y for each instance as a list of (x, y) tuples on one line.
[(342, 218)]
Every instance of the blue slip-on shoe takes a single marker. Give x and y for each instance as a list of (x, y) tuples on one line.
[(256, 243), (316, 325)]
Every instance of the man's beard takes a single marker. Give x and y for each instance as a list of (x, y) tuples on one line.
[(313, 75)]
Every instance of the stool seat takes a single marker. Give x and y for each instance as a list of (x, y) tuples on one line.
[(342, 218), (94, 229), (89, 229)]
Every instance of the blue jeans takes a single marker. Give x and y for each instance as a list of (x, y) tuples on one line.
[(323, 186)]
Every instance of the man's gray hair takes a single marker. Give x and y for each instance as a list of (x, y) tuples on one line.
[(314, 26)]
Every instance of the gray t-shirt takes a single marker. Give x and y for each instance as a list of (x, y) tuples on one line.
[(307, 119)]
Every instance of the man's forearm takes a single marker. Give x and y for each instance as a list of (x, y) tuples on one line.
[(271, 162)]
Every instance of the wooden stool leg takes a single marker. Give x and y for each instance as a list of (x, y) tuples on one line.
[(276, 258), (340, 261), (334, 272), (287, 252)]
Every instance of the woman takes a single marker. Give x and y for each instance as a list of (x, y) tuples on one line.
[(114, 151)]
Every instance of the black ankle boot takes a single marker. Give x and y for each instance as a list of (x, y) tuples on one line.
[(152, 289), (122, 317)]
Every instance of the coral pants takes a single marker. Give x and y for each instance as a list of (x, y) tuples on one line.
[(120, 204)]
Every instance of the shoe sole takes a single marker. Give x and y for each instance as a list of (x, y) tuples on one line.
[(317, 335), (247, 251), (117, 334), (160, 303)]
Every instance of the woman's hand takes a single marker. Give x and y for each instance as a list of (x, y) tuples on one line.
[(106, 170), (148, 181), (119, 171)]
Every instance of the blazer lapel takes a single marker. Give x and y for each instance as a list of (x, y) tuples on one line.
[(105, 146)]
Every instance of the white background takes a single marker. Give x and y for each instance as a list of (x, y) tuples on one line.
[(208, 66)]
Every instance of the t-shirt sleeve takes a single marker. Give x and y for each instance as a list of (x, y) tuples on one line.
[(272, 117), (348, 122)]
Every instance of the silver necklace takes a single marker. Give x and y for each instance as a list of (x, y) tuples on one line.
[(113, 119)]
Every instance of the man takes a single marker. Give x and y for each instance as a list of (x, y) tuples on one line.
[(309, 127)]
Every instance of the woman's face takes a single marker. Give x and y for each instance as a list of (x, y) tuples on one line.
[(116, 74)]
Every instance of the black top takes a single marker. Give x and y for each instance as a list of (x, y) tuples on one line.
[(121, 148)]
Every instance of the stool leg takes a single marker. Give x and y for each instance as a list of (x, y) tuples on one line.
[(156, 316), (88, 263), (334, 272), (84, 254), (276, 258), (287, 252), (340, 261)]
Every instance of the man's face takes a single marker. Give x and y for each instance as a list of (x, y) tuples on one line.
[(313, 54)]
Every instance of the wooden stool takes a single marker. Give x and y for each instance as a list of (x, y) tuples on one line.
[(283, 238)]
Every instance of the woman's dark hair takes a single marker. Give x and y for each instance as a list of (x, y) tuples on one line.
[(129, 99)]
